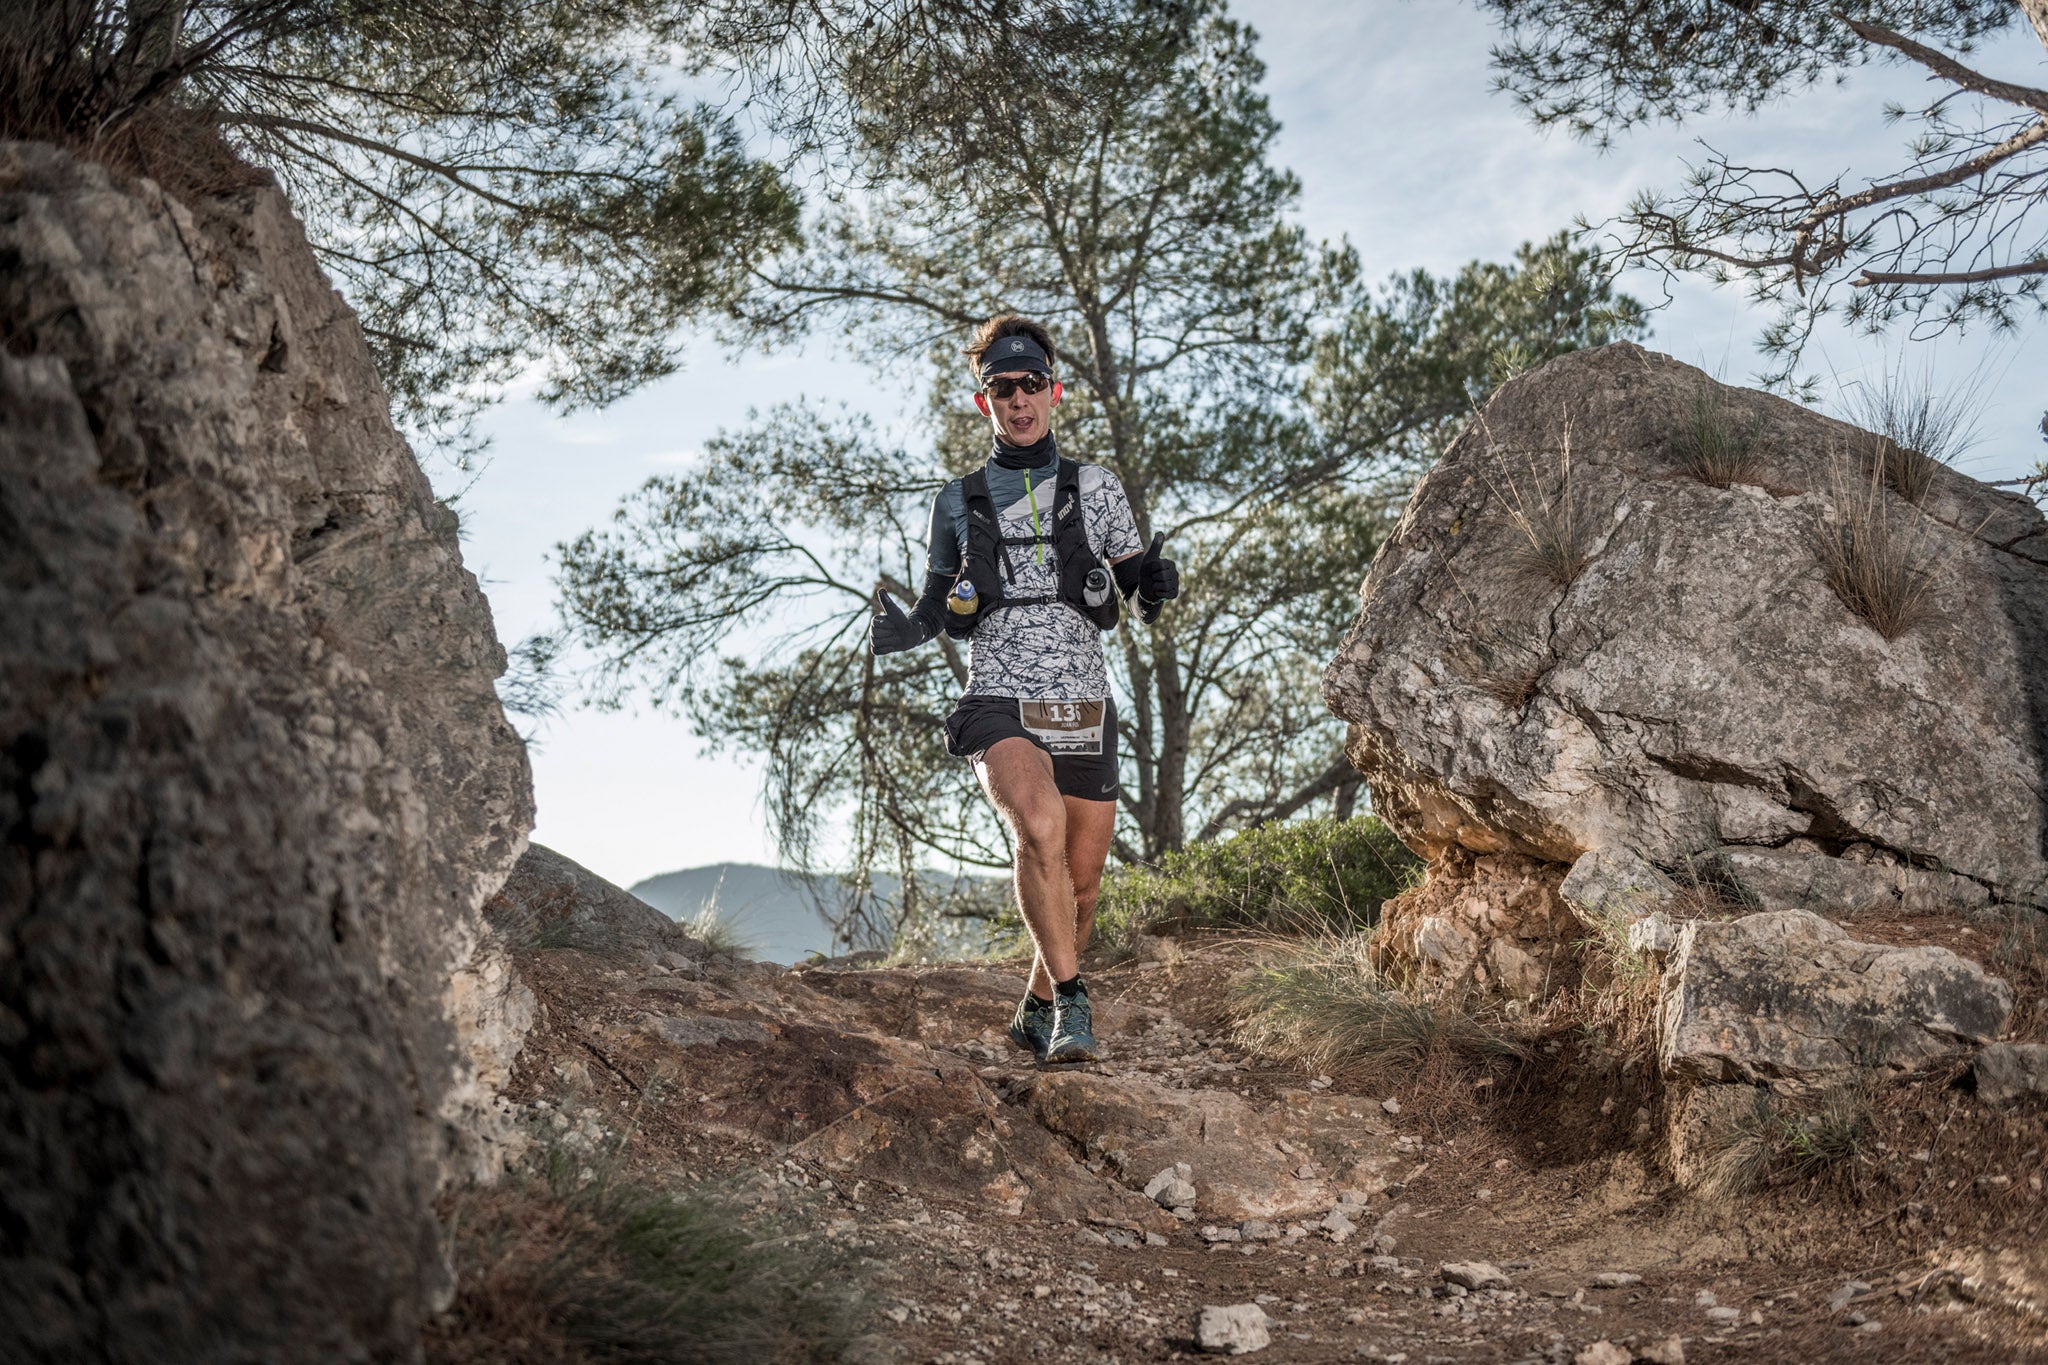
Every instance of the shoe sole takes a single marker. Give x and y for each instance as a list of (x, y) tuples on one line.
[(1073, 1053)]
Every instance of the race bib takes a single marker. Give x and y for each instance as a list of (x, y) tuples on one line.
[(1065, 727)]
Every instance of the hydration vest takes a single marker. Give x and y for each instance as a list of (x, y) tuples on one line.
[(989, 567)]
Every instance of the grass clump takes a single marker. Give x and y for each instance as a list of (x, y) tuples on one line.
[(1777, 1142), (1324, 1005), (567, 1266), (1556, 544), (1287, 875), (719, 933), (1880, 557), (1923, 428), (1714, 448)]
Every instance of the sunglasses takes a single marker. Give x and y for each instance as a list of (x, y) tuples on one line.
[(1006, 385)]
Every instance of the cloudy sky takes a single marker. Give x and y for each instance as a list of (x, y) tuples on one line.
[(1387, 119)]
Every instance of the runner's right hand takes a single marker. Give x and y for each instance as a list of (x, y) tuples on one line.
[(891, 630)]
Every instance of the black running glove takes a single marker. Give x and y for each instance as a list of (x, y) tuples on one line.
[(890, 631), (1158, 580)]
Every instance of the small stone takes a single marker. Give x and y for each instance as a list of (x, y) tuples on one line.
[(1727, 1315), (1615, 1279), (1391, 1105), (1705, 1299), (1238, 1329), (1871, 1326), (1170, 1189), (1258, 1230), (1603, 1353), (1338, 1227), (1153, 1239), (1669, 1351), (1304, 1172), (1474, 1275), (1213, 1233)]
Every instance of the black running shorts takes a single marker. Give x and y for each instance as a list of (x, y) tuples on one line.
[(1081, 740)]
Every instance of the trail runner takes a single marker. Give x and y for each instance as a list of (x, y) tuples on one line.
[(1037, 719)]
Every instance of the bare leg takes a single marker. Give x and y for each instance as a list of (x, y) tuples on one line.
[(1017, 775), (1090, 826)]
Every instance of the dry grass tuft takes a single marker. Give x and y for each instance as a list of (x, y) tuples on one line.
[(1880, 557), (1557, 546), (1324, 1005), (1779, 1142), (1616, 999), (1709, 889), (571, 1265), (1716, 449), (1922, 429)]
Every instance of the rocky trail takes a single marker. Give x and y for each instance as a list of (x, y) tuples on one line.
[(999, 1212)]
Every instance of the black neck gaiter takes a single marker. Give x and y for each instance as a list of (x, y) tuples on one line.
[(1037, 455)]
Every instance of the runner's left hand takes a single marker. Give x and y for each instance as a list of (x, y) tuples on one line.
[(1158, 576)]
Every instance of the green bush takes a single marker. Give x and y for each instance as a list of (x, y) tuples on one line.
[(1290, 875)]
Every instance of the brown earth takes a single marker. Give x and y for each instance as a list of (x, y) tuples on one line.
[(994, 1208)]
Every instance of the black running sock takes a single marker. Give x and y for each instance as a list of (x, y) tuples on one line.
[(1036, 1003), (1069, 988)]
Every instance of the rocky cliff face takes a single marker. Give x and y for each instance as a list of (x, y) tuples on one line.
[(255, 787), (1689, 687)]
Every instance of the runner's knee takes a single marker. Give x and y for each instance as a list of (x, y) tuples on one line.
[(1041, 828)]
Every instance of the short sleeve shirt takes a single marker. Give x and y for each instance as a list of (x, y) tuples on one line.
[(1049, 652)]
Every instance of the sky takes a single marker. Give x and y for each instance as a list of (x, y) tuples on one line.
[(1387, 119)]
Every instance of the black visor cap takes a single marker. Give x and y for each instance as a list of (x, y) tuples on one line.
[(1013, 355)]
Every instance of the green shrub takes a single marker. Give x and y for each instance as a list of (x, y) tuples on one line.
[(1288, 875)]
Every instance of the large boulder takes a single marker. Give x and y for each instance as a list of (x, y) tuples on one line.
[(1788, 999), (554, 901), (255, 787), (1697, 685)]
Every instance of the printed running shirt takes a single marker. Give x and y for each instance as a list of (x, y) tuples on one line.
[(1049, 652)]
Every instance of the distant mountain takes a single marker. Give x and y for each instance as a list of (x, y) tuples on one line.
[(773, 911)]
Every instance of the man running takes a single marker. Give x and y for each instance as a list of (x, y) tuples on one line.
[(1029, 532)]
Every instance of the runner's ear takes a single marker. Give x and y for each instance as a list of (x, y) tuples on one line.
[(981, 402), (1057, 390)]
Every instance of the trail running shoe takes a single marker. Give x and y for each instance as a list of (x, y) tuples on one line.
[(1031, 1026), (1073, 1030)]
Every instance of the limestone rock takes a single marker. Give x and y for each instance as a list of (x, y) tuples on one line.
[(1804, 878), (1474, 1275), (1170, 1188), (553, 901), (1789, 999), (1238, 1169), (255, 785), (1492, 920), (1697, 684), (2007, 1071), (1236, 1330), (1616, 886)]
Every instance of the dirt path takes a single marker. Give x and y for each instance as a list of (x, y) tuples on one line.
[(998, 1215)]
